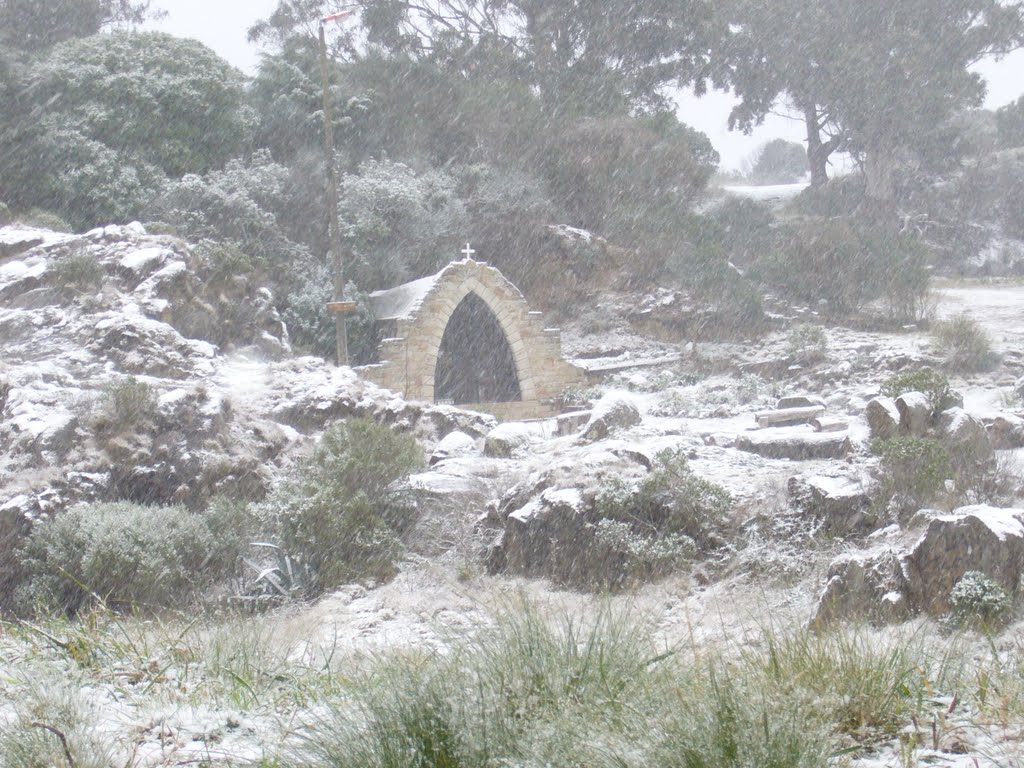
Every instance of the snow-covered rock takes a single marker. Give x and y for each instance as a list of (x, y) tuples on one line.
[(610, 414), (454, 445), (795, 444), (512, 439), (915, 413), (883, 418)]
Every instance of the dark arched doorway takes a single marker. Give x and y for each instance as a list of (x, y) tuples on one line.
[(475, 362)]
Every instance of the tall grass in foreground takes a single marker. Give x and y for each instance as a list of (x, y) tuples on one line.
[(529, 690), (599, 693)]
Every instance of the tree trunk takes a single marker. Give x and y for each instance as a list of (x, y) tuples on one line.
[(817, 152)]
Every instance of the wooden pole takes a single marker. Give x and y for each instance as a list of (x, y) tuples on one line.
[(340, 329)]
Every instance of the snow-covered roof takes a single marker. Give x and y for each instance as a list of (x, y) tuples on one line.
[(402, 302)]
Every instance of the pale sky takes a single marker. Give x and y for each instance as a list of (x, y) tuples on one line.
[(222, 25)]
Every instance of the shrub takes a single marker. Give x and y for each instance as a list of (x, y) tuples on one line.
[(849, 264), (978, 600), (965, 345), (125, 555), (807, 344), (5, 215), (41, 219), (125, 404), (645, 530), (925, 380), (338, 518), (914, 470), (78, 271), (312, 327)]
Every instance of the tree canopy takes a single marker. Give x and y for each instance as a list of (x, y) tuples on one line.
[(872, 77)]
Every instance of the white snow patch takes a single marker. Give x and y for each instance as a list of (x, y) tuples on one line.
[(402, 302), (144, 259)]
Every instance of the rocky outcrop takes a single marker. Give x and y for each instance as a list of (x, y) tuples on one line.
[(842, 502), (871, 586), (977, 538), (1006, 431), (894, 582), (965, 436), (512, 439)]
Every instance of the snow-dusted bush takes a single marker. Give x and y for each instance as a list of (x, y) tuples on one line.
[(931, 383), (338, 518), (79, 271), (644, 530), (398, 224), (914, 471), (964, 344), (129, 556), (849, 264), (124, 404), (979, 600), (807, 344)]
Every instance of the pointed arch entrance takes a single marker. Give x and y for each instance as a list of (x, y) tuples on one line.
[(466, 333), (475, 363)]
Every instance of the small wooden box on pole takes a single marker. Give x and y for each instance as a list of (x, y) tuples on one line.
[(341, 307)]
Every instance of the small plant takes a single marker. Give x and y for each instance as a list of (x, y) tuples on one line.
[(965, 345), (978, 600), (5, 215), (339, 518), (79, 271), (914, 470), (925, 380), (125, 404), (807, 344)]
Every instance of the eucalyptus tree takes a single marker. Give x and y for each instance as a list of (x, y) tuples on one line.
[(872, 77)]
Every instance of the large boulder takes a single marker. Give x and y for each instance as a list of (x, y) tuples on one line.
[(1006, 430), (915, 413), (454, 445), (965, 435), (883, 418), (865, 585), (611, 413), (506, 441), (976, 538), (842, 502), (440, 510)]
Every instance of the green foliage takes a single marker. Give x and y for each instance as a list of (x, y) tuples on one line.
[(238, 213), (848, 263), (397, 224), (312, 327), (643, 531), (99, 123), (127, 556), (978, 600), (914, 470), (925, 380), (124, 405), (339, 517), (5, 215), (626, 179), (34, 25), (966, 346), (37, 217), (1010, 124), (865, 76), (807, 344), (78, 271), (779, 162)]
